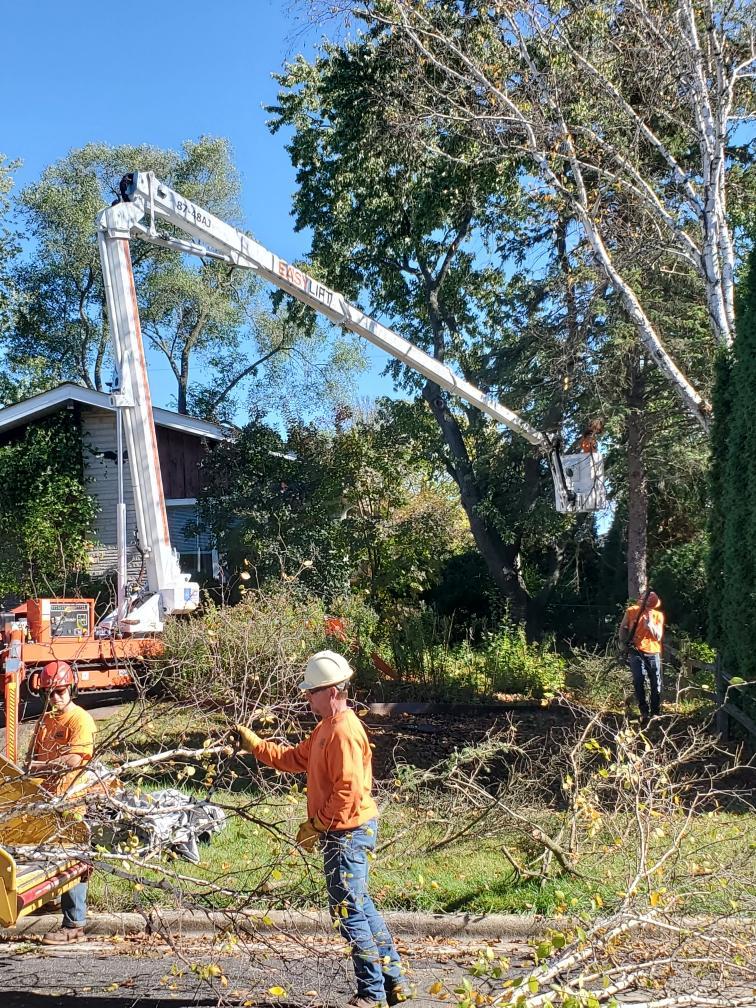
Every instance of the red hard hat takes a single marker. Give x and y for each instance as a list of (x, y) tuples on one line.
[(56, 675)]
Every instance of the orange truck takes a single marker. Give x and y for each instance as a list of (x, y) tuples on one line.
[(64, 629)]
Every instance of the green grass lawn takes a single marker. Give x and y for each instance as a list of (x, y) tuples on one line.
[(472, 876), (257, 866)]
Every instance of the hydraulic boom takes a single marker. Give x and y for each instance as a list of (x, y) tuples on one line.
[(578, 478)]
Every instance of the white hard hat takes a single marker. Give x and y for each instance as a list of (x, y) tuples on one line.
[(326, 668)]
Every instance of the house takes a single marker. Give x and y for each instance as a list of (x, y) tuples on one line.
[(182, 441)]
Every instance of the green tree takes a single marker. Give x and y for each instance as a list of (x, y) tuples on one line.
[(46, 514), (409, 232), (732, 566), (346, 508), (657, 455), (274, 506), (8, 243), (191, 310), (627, 117), (402, 519)]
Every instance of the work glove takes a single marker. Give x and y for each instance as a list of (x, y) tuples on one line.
[(308, 836), (247, 739)]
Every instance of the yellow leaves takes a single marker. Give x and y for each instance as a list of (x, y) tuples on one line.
[(209, 972), (436, 987), (277, 992)]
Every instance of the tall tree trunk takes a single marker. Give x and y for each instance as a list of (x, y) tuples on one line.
[(502, 559), (637, 484), (183, 382)]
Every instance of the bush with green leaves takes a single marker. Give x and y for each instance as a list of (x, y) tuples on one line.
[(512, 664), (249, 658), (424, 653), (599, 678), (46, 514)]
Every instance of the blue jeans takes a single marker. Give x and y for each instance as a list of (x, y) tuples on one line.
[(74, 906), (347, 865), (646, 666)]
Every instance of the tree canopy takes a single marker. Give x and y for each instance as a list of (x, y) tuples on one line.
[(212, 324), (418, 239), (350, 507)]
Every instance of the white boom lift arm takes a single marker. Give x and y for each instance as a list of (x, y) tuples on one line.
[(578, 478)]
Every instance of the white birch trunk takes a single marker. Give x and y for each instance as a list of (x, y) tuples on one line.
[(532, 117)]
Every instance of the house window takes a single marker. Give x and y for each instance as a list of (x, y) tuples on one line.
[(193, 545)]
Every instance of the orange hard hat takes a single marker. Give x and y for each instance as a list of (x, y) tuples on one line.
[(57, 675)]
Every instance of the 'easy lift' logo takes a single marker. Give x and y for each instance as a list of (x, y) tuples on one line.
[(303, 282)]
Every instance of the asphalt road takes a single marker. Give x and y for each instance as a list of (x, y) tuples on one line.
[(274, 970)]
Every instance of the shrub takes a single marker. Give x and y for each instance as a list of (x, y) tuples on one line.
[(599, 678), (46, 514), (252, 655), (501, 661), (512, 664)]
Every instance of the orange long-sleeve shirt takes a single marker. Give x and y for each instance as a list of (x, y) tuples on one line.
[(337, 760)]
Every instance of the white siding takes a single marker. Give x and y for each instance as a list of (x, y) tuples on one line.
[(98, 435)]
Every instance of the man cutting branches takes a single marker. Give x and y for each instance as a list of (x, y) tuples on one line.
[(641, 633), (343, 817)]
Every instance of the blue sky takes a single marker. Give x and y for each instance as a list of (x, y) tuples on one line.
[(158, 73)]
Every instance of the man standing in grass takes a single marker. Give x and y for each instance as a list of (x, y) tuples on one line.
[(642, 630), (343, 818)]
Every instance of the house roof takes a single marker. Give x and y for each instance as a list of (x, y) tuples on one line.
[(67, 394)]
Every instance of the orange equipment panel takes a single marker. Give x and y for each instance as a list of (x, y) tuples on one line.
[(60, 619)]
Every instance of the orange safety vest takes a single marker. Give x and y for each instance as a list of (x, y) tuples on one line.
[(650, 630)]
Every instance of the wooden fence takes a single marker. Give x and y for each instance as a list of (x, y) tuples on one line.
[(734, 701)]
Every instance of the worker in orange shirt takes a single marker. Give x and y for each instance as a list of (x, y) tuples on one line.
[(64, 743), (589, 438), (342, 817), (641, 631)]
